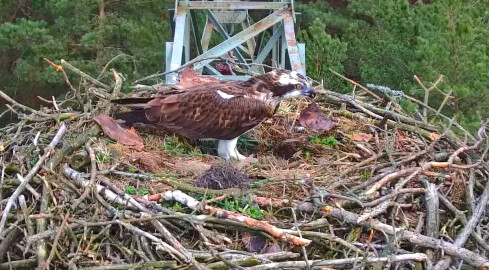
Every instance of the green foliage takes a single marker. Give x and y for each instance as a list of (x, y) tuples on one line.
[(323, 53), (33, 160), (259, 183), (245, 208), (177, 207), (454, 44), (178, 148), (103, 156), (254, 212), (328, 141), (365, 175), (246, 142), (130, 190), (388, 42), (230, 205), (143, 191), (203, 197), (408, 106), (88, 33), (380, 46)]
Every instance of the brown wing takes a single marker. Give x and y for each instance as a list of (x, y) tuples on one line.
[(204, 113)]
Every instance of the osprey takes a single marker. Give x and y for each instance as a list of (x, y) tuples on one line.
[(222, 110)]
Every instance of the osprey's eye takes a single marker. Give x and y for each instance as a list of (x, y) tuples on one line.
[(299, 87)]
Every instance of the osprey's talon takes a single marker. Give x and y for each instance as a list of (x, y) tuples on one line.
[(236, 155), (241, 157)]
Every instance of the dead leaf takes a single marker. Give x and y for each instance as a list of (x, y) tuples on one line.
[(400, 135), (362, 137), (188, 77), (112, 129), (357, 136), (313, 118)]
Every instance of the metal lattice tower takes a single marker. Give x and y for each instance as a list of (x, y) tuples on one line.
[(272, 38)]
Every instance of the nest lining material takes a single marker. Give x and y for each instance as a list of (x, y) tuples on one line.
[(222, 176)]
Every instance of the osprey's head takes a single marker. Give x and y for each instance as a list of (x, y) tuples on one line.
[(288, 84)]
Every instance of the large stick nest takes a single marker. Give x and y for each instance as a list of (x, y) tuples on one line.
[(345, 181)]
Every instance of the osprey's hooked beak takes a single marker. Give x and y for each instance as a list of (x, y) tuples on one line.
[(308, 91)]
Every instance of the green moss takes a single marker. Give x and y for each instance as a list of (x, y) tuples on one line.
[(328, 141)]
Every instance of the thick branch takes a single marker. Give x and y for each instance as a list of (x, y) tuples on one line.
[(470, 257)]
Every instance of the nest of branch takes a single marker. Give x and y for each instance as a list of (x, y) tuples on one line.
[(355, 181)]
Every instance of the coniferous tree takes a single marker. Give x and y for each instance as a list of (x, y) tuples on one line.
[(88, 33)]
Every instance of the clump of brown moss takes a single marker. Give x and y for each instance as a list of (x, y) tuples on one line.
[(222, 176)]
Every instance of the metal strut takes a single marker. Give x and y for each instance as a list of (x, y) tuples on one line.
[(270, 40)]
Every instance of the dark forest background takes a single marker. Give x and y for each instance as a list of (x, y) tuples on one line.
[(379, 42)]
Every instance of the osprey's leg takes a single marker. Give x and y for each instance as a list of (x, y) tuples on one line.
[(227, 149), (222, 149)]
